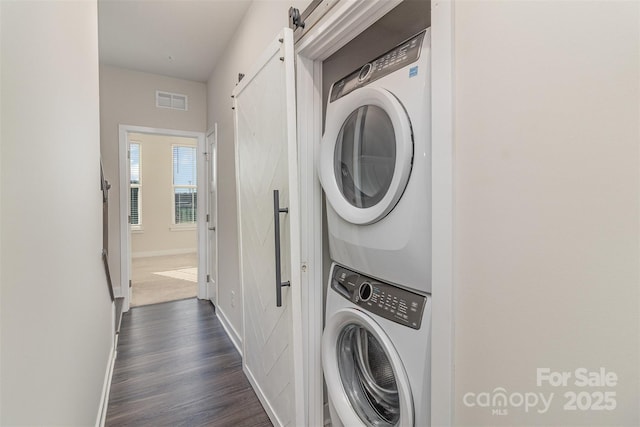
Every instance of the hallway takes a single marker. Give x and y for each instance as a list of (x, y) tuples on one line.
[(176, 366)]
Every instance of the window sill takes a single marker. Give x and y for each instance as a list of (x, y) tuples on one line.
[(137, 229), (182, 227)]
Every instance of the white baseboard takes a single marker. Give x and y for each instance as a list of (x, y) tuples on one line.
[(163, 253), (106, 387), (265, 404), (230, 330)]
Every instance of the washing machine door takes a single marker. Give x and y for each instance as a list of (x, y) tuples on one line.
[(366, 154), (365, 376)]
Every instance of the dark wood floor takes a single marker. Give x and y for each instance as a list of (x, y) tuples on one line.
[(177, 367)]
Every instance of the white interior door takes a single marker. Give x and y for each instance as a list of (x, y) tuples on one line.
[(266, 160), (212, 217), (128, 292)]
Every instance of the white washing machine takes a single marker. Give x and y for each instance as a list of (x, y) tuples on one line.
[(375, 352), (375, 166)]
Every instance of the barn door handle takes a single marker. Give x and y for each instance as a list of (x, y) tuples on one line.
[(277, 210)]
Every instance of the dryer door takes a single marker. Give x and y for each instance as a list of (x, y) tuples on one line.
[(366, 154), (365, 376)]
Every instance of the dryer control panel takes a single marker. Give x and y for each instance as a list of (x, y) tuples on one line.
[(385, 300), (398, 57)]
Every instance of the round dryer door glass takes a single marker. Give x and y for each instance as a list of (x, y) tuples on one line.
[(368, 377), (365, 156)]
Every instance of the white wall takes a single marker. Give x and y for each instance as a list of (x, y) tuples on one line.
[(128, 97), (158, 234), (56, 315), (259, 27), (546, 167)]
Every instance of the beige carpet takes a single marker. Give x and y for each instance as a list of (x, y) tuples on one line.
[(164, 278), (188, 274)]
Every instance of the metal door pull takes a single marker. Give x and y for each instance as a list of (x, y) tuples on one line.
[(277, 210)]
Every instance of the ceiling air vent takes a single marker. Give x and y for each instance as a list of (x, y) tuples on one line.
[(174, 101)]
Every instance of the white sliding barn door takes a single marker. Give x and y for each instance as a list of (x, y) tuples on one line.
[(266, 160)]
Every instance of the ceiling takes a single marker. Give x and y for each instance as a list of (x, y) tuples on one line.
[(176, 38)]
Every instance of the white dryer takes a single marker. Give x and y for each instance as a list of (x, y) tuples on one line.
[(375, 166), (375, 352)]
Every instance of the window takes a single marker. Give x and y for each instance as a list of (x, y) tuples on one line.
[(184, 185), (135, 185)]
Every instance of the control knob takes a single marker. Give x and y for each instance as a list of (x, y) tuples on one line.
[(365, 291), (365, 72)]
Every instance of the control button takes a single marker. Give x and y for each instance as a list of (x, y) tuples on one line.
[(365, 71)]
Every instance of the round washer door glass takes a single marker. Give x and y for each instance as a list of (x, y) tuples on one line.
[(365, 156), (368, 377)]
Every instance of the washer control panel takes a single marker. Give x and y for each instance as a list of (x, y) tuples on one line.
[(391, 61), (385, 300)]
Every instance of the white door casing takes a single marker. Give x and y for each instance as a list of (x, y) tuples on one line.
[(212, 214), (125, 236), (343, 20), (266, 160)]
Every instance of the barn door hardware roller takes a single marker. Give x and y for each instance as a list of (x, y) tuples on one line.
[(295, 18)]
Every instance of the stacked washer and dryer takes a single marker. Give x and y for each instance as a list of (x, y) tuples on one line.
[(375, 168)]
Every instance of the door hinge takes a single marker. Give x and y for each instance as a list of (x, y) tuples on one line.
[(207, 217), (129, 282), (129, 154), (208, 278), (129, 219)]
